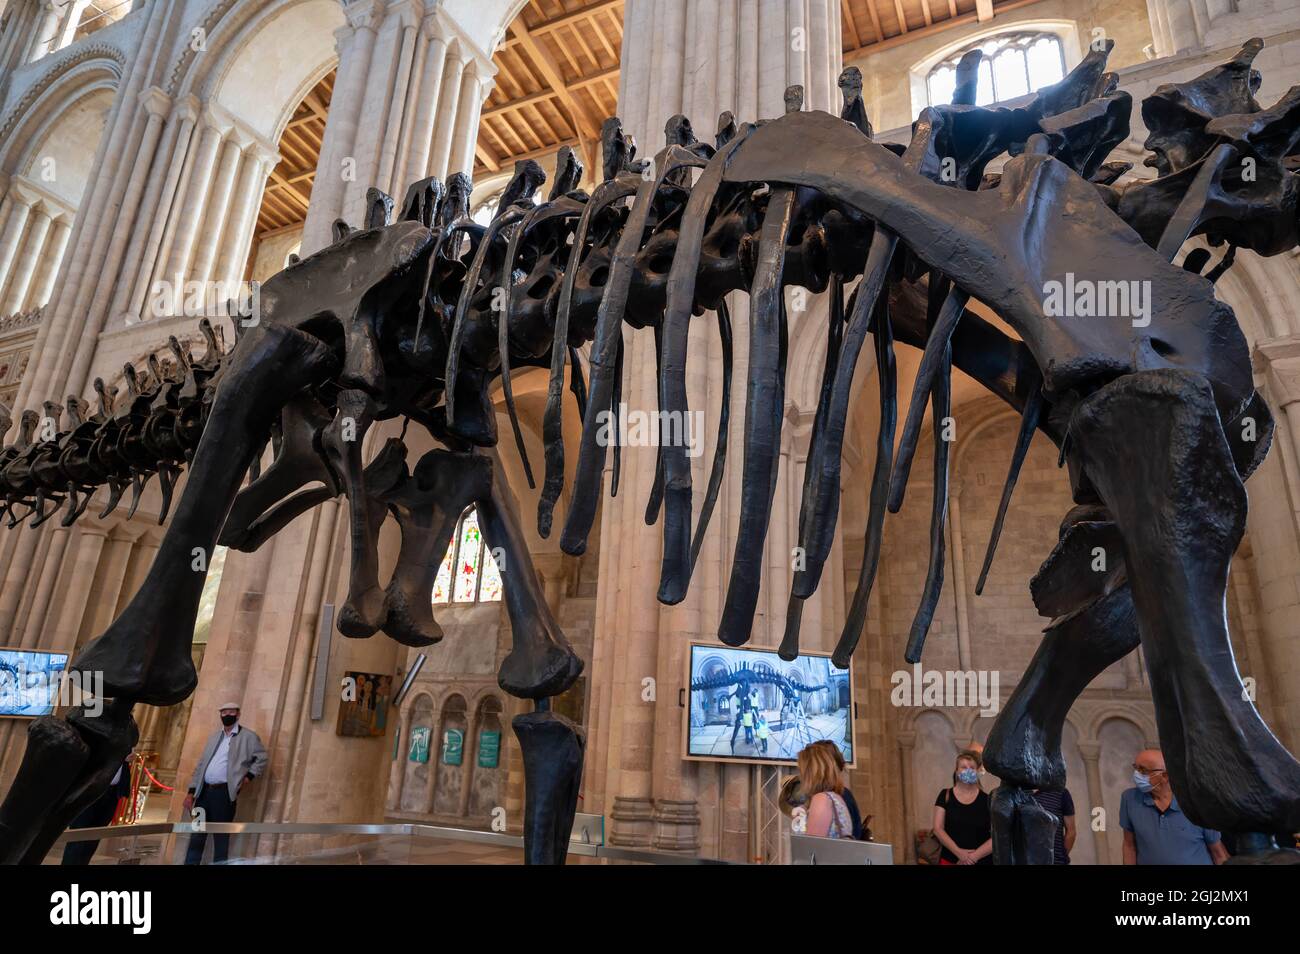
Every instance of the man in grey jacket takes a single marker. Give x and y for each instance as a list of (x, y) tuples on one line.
[(232, 757)]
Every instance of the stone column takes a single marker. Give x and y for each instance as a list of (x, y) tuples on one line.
[(47, 29), (88, 552), (435, 59), (906, 745), (1272, 525), (214, 223), (1090, 752), (20, 207), (192, 205), (356, 43), (474, 88), (449, 96), (697, 59), (70, 23), (51, 259), (1177, 25), (138, 267), (395, 130), (24, 268), (375, 103), (257, 165)]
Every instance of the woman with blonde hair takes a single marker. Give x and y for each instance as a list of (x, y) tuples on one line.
[(821, 784)]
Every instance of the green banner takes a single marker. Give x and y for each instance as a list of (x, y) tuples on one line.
[(489, 749), (453, 747), (419, 744)]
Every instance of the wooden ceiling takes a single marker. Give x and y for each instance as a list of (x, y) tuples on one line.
[(288, 190), (557, 76), (557, 81)]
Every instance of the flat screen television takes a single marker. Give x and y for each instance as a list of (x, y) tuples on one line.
[(29, 682), (750, 705)]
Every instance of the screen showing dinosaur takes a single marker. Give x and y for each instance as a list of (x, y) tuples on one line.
[(751, 705), (29, 682)]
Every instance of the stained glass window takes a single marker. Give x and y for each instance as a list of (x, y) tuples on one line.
[(467, 559), (208, 599), (1014, 64), (468, 573)]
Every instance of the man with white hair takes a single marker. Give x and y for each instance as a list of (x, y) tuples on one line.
[(232, 757)]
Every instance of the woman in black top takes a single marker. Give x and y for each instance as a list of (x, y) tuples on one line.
[(961, 817)]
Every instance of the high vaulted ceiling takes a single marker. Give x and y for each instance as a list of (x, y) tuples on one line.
[(557, 78)]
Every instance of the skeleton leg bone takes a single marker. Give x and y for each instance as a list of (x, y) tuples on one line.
[(1153, 446)]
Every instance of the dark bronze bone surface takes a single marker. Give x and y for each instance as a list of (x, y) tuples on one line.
[(403, 321)]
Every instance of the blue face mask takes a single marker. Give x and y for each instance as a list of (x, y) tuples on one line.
[(1142, 781), (968, 776)]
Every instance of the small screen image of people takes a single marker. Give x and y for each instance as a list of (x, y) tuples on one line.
[(751, 704)]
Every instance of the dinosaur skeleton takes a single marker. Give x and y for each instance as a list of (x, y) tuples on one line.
[(745, 676), (406, 320)]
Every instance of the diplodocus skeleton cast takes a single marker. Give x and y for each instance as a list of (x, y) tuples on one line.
[(1154, 413)]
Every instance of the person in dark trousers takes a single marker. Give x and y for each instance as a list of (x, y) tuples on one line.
[(962, 822), (1060, 804), (98, 814), (232, 758)]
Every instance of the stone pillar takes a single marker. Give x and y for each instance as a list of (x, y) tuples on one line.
[(406, 105), (435, 59), (24, 267), (137, 272), (1272, 525), (86, 556), (1090, 752), (213, 232), (20, 207), (258, 162), (474, 88), (911, 824), (51, 259), (194, 200), (1177, 25), (355, 43), (448, 98), (406, 32), (697, 59), (47, 29)]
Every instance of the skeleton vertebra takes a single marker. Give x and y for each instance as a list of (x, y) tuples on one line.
[(402, 320)]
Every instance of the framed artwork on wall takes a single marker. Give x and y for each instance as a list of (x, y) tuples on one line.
[(363, 712)]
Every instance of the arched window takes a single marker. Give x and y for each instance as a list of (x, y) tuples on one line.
[(468, 573), (1014, 64)]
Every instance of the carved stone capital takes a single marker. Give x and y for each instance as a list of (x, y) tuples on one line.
[(364, 14), (1277, 361), (156, 102), (187, 109)]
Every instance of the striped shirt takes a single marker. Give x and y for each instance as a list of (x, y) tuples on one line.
[(1060, 804)]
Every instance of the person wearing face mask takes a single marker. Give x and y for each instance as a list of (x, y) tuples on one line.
[(1156, 832), (232, 757), (961, 816)]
